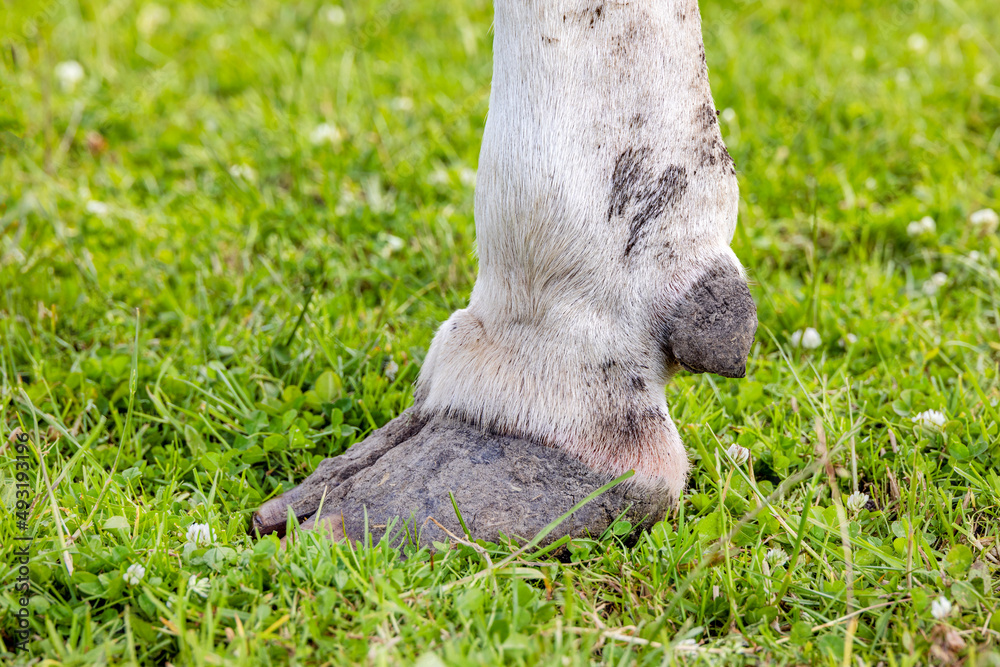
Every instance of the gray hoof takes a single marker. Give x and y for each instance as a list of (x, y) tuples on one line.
[(501, 485)]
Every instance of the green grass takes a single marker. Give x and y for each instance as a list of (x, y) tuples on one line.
[(203, 339)]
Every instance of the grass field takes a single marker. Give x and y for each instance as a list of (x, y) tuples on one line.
[(226, 238)]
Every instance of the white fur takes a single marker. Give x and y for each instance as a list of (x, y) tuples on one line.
[(575, 86)]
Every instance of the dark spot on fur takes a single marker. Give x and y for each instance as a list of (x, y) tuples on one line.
[(707, 156), (706, 116), (589, 16), (626, 179), (713, 151), (629, 427), (636, 36), (667, 190), (635, 189), (666, 255), (636, 121), (638, 383), (549, 40)]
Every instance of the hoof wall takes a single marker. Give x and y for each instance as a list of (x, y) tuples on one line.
[(411, 468)]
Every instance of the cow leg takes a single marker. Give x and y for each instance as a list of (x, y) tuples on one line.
[(605, 205)]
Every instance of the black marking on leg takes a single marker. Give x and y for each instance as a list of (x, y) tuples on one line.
[(630, 427), (707, 116), (653, 200), (589, 16), (626, 179), (635, 189), (713, 151)]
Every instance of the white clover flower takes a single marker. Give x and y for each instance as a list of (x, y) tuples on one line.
[(811, 339), (776, 557), (739, 455), (974, 256), (467, 176), (335, 15), (728, 115), (199, 586), (403, 104), (391, 370), (392, 244), (324, 133), (856, 502), (439, 177), (69, 74), (941, 608), (917, 42), (930, 418), (200, 533), (925, 226), (807, 340), (871, 183), (134, 574), (985, 221), (935, 283), (98, 208), (243, 171), (858, 53), (151, 17)]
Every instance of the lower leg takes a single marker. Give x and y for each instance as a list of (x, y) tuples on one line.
[(605, 205)]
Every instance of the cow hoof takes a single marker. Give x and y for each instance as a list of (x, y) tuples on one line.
[(502, 486)]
